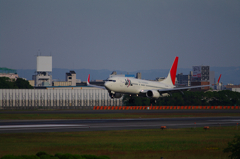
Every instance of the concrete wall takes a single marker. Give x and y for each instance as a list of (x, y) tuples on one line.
[(235, 89), (47, 98), (62, 83), (31, 82)]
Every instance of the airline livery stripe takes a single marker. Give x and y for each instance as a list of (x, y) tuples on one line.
[(173, 70)]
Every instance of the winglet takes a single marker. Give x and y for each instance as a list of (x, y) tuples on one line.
[(173, 70), (88, 80), (219, 78)]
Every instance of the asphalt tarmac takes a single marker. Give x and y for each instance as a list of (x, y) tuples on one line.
[(18, 126)]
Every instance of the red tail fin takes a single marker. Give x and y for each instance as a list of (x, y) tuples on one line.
[(173, 70), (88, 80), (219, 78)]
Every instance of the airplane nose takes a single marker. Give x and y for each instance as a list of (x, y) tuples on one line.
[(106, 84)]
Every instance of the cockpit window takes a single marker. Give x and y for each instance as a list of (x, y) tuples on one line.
[(111, 80)]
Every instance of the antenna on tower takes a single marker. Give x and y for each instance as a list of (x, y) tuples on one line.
[(39, 52)]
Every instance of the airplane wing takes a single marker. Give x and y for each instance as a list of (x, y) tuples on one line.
[(175, 89), (88, 84)]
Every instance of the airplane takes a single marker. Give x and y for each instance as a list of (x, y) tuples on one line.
[(117, 86)]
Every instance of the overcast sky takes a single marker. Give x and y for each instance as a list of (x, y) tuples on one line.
[(120, 35)]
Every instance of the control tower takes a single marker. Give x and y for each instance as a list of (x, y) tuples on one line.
[(43, 76)]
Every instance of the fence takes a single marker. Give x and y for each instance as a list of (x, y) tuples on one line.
[(44, 98)]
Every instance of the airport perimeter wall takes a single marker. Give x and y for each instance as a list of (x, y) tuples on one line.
[(62, 99)]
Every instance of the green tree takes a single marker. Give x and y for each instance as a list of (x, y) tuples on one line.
[(233, 148), (7, 83), (23, 84), (145, 101), (220, 98)]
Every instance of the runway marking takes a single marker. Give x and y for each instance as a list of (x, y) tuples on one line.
[(38, 126), (146, 125), (158, 125), (53, 126)]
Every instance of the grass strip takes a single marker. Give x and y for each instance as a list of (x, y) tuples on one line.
[(110, 116), (188, 143)]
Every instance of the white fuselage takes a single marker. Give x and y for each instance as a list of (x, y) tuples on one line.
[(132, 85)]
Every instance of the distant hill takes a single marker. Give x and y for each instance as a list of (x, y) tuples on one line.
[(229, 74)]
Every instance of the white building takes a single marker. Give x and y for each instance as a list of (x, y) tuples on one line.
[(71, 77), (43, 76)]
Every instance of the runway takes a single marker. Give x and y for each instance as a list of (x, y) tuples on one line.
[(12, 126)]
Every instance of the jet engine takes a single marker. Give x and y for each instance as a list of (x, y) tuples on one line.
[(115, 95), (153, 94), (156, 94)]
